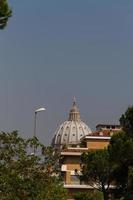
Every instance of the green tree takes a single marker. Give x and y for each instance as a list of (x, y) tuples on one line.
[(126, 121), (82, 196), (97, 170), (5, 13), (88, 196), (103, 168), (24, 175), (121, 154), (53, 190)]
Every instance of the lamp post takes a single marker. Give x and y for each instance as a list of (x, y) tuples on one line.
[(36, 111)]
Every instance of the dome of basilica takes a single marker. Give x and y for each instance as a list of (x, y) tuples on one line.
[(70, 132)]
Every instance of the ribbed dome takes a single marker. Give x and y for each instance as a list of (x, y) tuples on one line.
[(71, 131)]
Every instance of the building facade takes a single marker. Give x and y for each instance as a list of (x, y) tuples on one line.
[(72, 138)]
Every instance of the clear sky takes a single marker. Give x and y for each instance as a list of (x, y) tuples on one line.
[(53, 50)]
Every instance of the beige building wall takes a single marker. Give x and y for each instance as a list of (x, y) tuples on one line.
[(73, 162), (68, 177), (71, 159), (97, 144)]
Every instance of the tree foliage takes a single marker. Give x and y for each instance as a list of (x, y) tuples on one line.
[(5, 13), (121, 154), (82, 196), (97, 170), (88, 196), (113, 165), (121, 148), (24, 175), (126, 121)]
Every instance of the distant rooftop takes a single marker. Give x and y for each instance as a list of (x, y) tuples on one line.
[(108, 126)]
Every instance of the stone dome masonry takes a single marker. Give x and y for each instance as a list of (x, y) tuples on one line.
[(71, 131)]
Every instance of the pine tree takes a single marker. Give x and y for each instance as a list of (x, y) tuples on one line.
[(5, 13)]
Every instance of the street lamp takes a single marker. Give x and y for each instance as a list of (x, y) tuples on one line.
[(36, 111)]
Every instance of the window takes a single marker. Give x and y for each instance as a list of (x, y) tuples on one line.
[(75, 180), (101, 133)]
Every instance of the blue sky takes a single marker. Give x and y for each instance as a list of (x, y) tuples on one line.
[(54, 50)]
